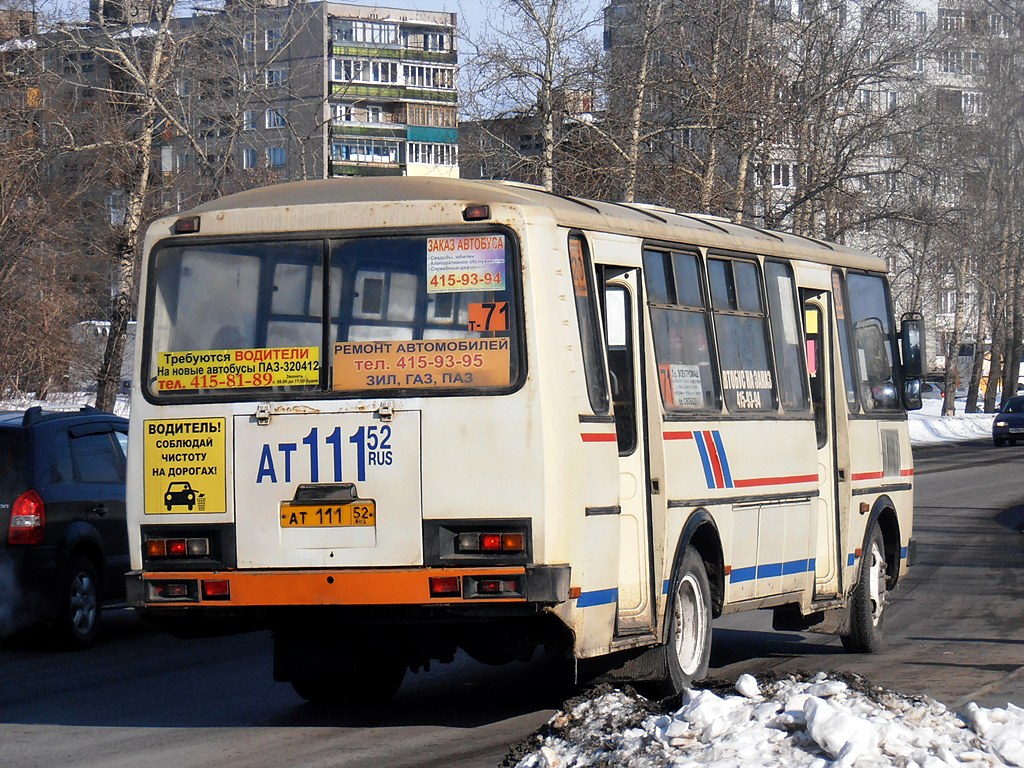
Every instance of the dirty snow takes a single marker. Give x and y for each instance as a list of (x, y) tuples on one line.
[(820, 722)]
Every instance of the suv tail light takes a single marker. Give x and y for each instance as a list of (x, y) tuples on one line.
[(28, 520)]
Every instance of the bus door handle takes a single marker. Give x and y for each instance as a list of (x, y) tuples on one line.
[(655, 486)]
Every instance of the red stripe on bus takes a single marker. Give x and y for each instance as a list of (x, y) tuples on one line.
[(598, 437), (867, 476), (716, 462), (791, 480), (678, 435), (907, 472)]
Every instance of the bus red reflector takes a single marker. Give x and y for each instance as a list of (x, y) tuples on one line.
[(490, 542), (445, 586), (476, 213), (176, 547), (216, 589), (171, 589)]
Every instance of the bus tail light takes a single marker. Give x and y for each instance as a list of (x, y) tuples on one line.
[(193, 547), (492, 586), (216, 589), (498, 541), (445, 586), (28, 519)]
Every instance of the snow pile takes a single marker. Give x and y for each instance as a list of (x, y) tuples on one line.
[(928, 425), (60, 401), (791, 722)]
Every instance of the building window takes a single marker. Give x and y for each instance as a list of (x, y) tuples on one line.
[(276, 77), (274, 119), (973, 102), (365, 151), (361, 31), (428, 77), (783, 175), (250, 158), (342, 113), (249, 120), (433, 115), (352, 70), (248, 41), (272, 39), (921, 19), (953, 62), (950, 19), (435, 41), (433, 154), (277, 157)]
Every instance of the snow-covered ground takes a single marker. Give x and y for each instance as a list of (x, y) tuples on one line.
[(819, 722)]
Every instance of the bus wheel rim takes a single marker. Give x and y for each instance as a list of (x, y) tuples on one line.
[(876, 583), (690, 623)]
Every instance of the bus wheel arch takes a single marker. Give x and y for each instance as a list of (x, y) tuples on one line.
[(694, 595), (879, 569)]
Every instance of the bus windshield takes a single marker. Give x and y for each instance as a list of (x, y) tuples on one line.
[(387, 314)]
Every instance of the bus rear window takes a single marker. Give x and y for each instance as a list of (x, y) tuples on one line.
[(353, 316)]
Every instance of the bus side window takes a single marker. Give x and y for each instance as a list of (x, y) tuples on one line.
[(589, 323), (620, 365)]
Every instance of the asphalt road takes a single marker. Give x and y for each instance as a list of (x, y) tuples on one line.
[(144, 699)]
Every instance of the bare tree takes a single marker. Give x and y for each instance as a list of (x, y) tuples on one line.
[(531, 61)]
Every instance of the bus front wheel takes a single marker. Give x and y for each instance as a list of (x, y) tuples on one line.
[(867, 605), (688, 646)]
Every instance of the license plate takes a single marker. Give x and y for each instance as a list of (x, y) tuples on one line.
[(1016, 430), (356, 514)]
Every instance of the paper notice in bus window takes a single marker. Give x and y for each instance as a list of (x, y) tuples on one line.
[(422, 364), (465, 263), (488, 316), (238, 368), (681, 386)]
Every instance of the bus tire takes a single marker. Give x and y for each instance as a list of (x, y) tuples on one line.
[(687, 647), (867, 604)]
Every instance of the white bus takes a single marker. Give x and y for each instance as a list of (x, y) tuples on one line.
[(392, 418)]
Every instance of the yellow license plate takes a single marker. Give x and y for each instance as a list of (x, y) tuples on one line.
[(359, 514)]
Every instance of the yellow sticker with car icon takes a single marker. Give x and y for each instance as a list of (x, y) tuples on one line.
[(185, 466)]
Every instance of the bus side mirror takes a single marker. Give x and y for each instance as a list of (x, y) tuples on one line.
[(912, 394), (912, 345)]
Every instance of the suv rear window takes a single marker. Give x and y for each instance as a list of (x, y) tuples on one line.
[(353, 316), (12, 464)]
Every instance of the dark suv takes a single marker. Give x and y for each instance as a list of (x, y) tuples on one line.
[(63, 536)]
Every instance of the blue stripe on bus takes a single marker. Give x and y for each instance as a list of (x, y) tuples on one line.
[(709, 476), (903, 553), (743, 574), (771, 570), (597, 597), (721, 458)]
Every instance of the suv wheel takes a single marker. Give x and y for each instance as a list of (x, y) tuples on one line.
[(78, 612)]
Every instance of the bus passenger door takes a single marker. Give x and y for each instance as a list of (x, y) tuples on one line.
[(625, 355), (820, 351)]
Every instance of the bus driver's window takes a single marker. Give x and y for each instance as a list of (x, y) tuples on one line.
[(619, 337)]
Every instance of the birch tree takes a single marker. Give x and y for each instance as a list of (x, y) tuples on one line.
[(531, 62)]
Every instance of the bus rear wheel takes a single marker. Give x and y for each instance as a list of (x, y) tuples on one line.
[(687, 649), (867, 606)]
